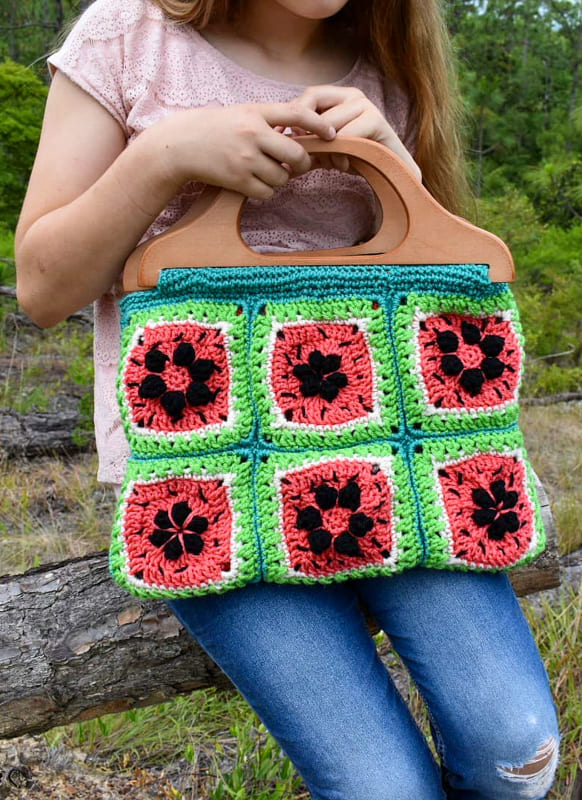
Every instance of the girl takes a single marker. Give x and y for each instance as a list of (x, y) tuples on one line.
[(206, 92)]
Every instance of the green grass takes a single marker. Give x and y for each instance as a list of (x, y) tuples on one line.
[(7, 270), (231, 752), (40, 366), (553, 436), (558, 633), (50, 510)]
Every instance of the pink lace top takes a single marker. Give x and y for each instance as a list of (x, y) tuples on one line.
[(141, 66)]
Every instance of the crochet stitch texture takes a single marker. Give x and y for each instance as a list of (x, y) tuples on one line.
[(313, 424)]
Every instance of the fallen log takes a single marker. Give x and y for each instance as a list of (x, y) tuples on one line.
[(37, 433), (551, 399), (74, 645)]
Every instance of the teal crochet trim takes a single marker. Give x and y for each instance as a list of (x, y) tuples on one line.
[(294, 283), (315, 424)]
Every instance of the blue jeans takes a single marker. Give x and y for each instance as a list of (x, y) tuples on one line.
[(303, 658)]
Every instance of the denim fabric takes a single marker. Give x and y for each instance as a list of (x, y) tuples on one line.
[(303, 658)]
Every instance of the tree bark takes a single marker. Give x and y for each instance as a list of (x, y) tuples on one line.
[(59, 14), (14, 51), (36, 434), (74, 645)]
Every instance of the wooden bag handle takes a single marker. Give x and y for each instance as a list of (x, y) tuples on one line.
[(415, 229)]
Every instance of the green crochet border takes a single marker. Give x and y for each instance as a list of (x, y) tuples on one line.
[(409, 546), (247, 552), (158, 443), (404, 337), (437, 451), (323, 311)]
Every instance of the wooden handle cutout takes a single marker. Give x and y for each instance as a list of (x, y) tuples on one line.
[(415, 229)]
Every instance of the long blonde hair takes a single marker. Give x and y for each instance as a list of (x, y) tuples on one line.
[(408, 42)]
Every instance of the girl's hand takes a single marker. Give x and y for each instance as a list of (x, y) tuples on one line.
[(351, 113), (237, 146)]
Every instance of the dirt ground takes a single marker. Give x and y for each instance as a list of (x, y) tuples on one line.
[(31, 769)]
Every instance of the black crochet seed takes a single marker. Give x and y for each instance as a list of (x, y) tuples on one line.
[(320, 376), (492, 345), (170, 524), (174, 402), (311, 520), (319, 540), (470, 332), (492, 510), (491, 367), (183, 354), (452, 365), (201, 369), (152, 386), (360, 524), (448, 341), (472, 381), (198, 394), (155, 360), (326, 496)]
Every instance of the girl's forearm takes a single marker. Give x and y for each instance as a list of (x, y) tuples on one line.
[(72, 255), (68, 257)]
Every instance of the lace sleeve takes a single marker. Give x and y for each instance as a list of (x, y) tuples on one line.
[(92, 55)]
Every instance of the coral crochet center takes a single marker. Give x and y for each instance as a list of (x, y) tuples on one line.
[(490, 515), (178, 531), (336, 516), (177, 377), (468, 362), (322, 374)]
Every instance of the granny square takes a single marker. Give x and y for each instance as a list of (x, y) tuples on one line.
[(459, 361), (184, 526), (328, 516), (323, 373), (478, 502), (183, 384)]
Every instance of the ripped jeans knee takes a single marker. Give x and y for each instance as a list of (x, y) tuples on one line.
[(488, 777), (535, 777)]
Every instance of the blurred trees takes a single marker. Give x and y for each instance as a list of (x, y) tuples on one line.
[(22, 99)]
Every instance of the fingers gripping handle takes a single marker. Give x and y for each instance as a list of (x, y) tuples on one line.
[(415, 229)]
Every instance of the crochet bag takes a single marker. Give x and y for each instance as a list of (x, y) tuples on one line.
[(352, 414)]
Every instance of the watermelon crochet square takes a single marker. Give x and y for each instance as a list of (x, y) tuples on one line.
[(183, 383), (330, 516), (184, 526), (459, 361), (322, 373), (478, 502)]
